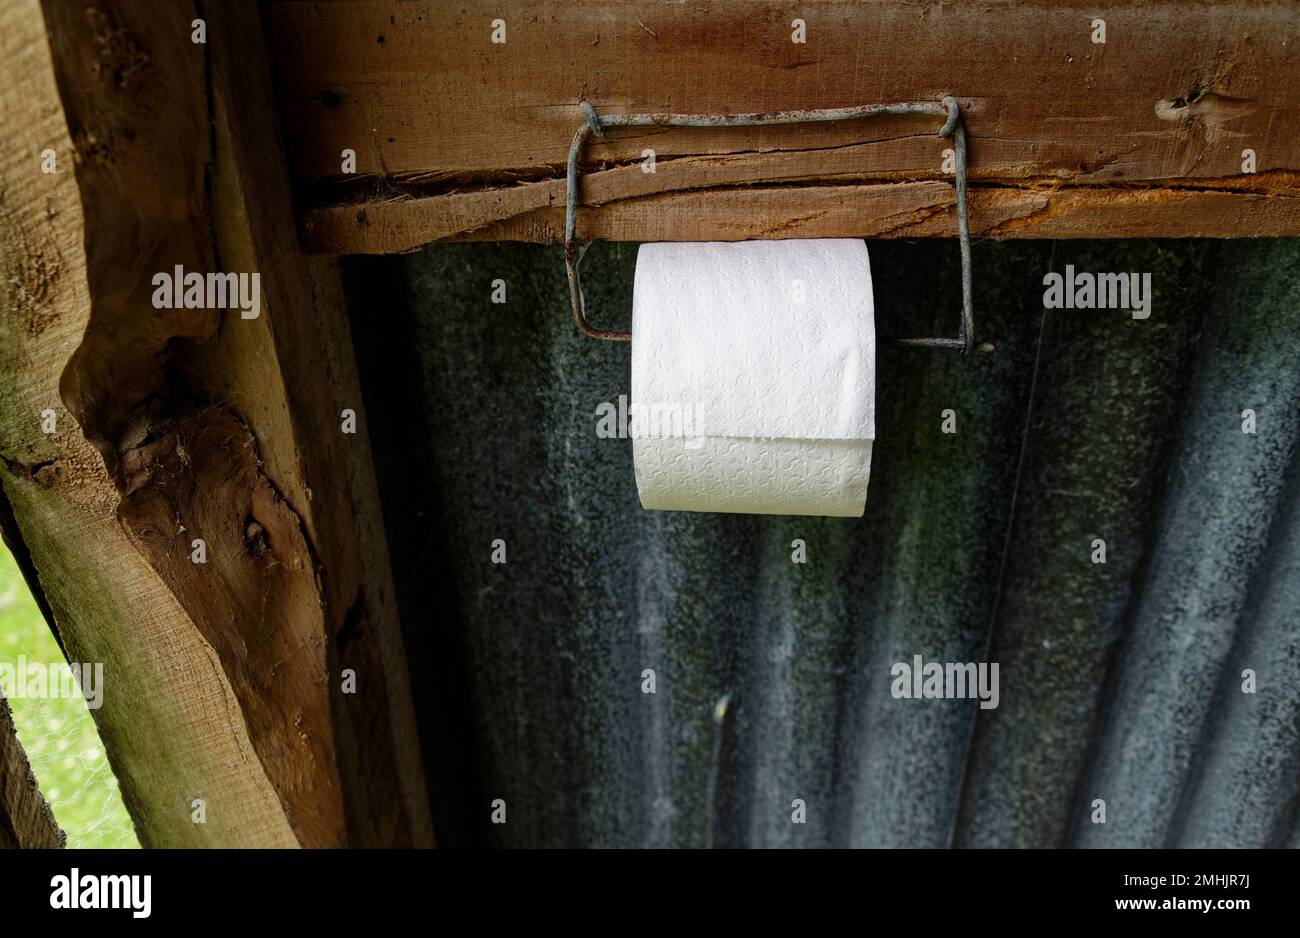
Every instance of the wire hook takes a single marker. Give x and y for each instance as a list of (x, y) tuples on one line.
[(594, 125)]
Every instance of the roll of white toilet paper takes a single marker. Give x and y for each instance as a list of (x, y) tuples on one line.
[(753, 376)]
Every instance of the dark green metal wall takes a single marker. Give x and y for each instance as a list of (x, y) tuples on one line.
[(1119, 682)]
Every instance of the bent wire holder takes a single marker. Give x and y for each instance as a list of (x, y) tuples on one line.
[(952, 127)]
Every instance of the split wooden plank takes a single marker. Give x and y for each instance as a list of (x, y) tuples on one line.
[(26, 821), (199, 423), (895, 210), (454, 133)]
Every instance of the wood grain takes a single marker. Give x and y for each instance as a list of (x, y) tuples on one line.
[(135, 97), (292, 374), (26, 821), (454, 133), (171, 723), (183, 424)]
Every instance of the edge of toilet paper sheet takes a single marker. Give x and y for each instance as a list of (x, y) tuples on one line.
[(735, 474)]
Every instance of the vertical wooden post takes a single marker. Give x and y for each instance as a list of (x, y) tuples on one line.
[(223, 676), (25, 819)]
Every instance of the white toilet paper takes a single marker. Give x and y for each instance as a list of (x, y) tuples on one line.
[(753, 376)]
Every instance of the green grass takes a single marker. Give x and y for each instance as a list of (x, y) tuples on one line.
[(59, 735)]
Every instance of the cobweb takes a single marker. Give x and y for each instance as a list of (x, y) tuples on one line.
[(58, 734)]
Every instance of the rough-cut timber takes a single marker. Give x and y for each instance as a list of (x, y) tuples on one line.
[(26, 820), (222, 677), (293, 376), (170, 723), (457, 136)]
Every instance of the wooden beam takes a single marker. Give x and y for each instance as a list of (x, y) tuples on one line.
[(456, 136), (895, 210), (222, 677), (293, 374), (26, 821), (170, 723)]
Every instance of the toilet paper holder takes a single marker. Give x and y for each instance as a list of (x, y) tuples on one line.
[(952, 127)]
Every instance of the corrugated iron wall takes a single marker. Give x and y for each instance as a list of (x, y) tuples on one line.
[(1119, 682)]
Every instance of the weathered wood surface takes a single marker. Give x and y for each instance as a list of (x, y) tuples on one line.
[(221, 678), (456, 136), (293, 375), (26, 820), (170, 722)]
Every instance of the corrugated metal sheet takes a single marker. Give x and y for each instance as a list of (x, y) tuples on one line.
[(1119, 681)]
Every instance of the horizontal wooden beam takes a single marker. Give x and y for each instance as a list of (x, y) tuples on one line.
[(457, 136), (294, 379)]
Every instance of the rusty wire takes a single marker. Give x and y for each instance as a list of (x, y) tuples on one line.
[(594, 125)]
